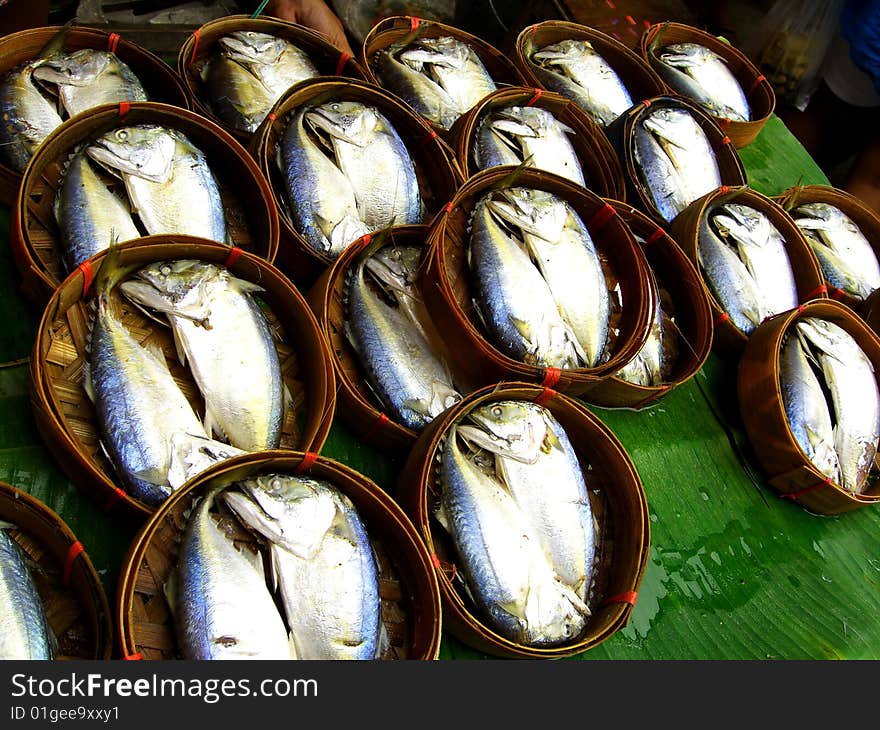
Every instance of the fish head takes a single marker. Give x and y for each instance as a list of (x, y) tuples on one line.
[(517, 429), (350, 121), (145, 151), (537, 212), (81, 68), (567, 50), (253, 46), (444, 51), (396, 266), (179, 282)]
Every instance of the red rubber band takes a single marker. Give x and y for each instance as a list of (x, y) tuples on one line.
[(534, 28), (726, 140), (272, 116), (375, 428), (758, 79), (113, 42), (654, 237), (629, 19), (724, 123), (195, 46), (538, 93), (124, 108), (821, 289), (629, 597), (431, 135), (647, 23), (133, 657), (234, 254), (722, 318), (551, 377), (545, 397), (438, 565), (88, 276), (73, 553), (414, 22), (449, 207), (652, 397), (601, 217), (364, 240), (114, 497), (813, 487), (836, 293), (646, 103), (344, 58), (723, 190), (309, 459)]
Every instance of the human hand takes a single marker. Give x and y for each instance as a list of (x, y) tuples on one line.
[(314, 14)]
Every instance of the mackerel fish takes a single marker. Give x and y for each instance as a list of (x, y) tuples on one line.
[(88, 78), (26, 632), (222, 606), (319, 196), (506, 571), (532, 135), (403, 368), (574, 69), (655, 362), (529, 328), (855, 400), (535, 460), (565, 254), (249, 73), (373, 157), (223, 335), (674, 159), (806, 407), (846, 256), (453, 77), (323, 561), (700, 74), (90, 214), (169, 182)]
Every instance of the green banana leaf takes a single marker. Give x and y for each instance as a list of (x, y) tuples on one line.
[(734, 571)]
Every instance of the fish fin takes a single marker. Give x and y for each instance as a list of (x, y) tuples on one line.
[(170, 590), (87, 383), (212, 424)]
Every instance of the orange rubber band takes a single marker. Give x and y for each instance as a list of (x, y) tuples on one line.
[(545, 397), (344, 58), (124, 108), (654, 237), (601, 217), (629, 597), (309, 459), (113, 42), (234, 254), (192, 58), (375, 428), (73, 552), (133, 657), (414, 22), (88, 276), (114, 497), (821, 289), (538, 93), (722, 318), (812, 488), (551, 377)]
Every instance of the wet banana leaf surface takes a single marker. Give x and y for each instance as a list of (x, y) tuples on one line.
[(734, 572)]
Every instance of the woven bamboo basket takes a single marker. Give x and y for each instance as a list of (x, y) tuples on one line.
[(408, 586), (616, 496), (448, 292), (621, 134), (640, 80), (729, 340), (789, 472), (358, 405), (871, 311), (198, 47), (159, 80), (435, 164), (687, 303), (67, 582), (599, 162), (758, 90), (404, 29), (864, 217), (251, 216), (63, 412)]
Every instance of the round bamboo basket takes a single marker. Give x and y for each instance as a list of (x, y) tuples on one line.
[(159, 80), (617, 500), (405, 29), (687, 303), (66, 580), (358, 405), (408, 586), (251, 216), (640, 80), (65, 416), (448, 291), (789, 472), (758, 90), (435, 164), (864, 217), (599, 162), (621, 134), (729, 340), (203, 43)]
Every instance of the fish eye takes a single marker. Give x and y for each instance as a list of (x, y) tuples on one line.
[(497, 411), (122, 134)]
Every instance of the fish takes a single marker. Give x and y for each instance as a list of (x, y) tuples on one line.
[(685, 170), (221, 604), (652, 364), (805, 405), (405, 371), (855, 400), (170, 184), (90, 214), (373, 157), (249, 73), (454, 67), (565, 254), (761, 248), (847, 259), (699, 73), (320, 197), (527, 328), (223, 336), (26, 631), (323, 561), (507, 574), (148, 428), (574, 69), (536, 461), (533, 135), (728, 278), (88, 77)]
